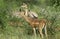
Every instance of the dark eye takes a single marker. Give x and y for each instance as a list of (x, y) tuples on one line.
[(19, 9)]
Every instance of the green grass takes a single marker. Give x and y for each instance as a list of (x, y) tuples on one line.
[(21, 32), (24, 31)]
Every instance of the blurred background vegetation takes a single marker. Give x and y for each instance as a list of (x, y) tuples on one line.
[(12, 27)]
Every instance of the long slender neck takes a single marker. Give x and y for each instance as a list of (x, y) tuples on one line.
[(26, 18), (26, 15), (26, 12)]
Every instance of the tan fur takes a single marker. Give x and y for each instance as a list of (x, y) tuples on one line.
[(36, 23)]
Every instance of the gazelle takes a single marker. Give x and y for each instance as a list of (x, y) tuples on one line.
[(35, 23)]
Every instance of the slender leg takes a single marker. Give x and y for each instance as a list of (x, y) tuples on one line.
[(34, 31), (45, 31), (40, 30)]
